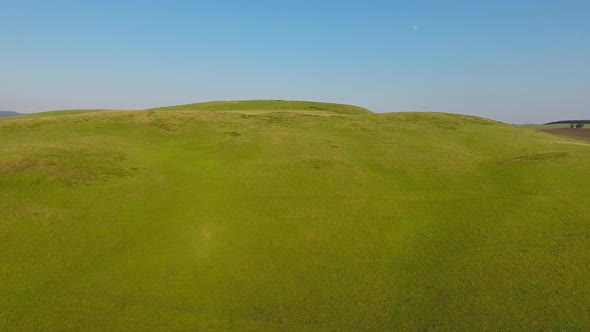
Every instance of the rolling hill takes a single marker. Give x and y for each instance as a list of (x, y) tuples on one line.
[(265, 106), (274, 215)]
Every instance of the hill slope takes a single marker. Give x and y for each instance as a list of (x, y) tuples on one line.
[(175, 220)]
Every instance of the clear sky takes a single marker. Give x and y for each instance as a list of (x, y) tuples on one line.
[(515, 61)]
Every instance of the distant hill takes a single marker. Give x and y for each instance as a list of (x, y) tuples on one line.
[(568, 122), (8, 113), (265, 106), (57, 113)]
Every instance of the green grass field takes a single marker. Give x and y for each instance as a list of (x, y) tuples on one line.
[(195, 217)]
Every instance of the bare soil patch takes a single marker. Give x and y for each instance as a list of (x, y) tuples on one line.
[(573, 132)]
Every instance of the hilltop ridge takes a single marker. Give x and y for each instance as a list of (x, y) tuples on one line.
[(268, 105)]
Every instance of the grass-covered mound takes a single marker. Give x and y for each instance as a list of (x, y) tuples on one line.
[(264, 106), (174, 220)]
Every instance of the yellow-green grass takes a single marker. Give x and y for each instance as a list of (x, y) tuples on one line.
[(196, 220)]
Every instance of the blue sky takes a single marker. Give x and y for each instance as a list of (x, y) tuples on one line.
[(515, 61)]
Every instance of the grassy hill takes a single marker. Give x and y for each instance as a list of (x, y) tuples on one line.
[(266, 106), (173, 219)]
